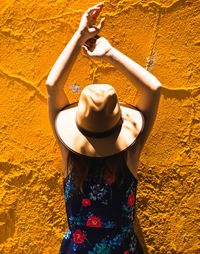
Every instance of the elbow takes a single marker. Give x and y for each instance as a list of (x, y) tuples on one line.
[(51, 80), (157, 86), (53, 84), (49, 83), (53, 88), (155, 90), (50, 88)]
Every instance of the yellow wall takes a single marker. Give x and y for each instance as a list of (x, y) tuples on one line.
[(161, 35)]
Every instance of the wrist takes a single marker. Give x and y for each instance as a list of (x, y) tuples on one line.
[(80, 35), (110, 53)]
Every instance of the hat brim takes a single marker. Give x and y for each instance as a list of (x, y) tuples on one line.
[(74, 140)]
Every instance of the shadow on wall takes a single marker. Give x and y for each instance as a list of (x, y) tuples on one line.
[(139, 233)]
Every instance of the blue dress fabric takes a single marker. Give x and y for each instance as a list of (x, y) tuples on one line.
[(101, 220)]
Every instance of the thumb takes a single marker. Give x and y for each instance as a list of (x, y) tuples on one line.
[(86, 50), (101, 24)]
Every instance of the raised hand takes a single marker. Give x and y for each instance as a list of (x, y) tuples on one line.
[(97, 47), (87, 26)]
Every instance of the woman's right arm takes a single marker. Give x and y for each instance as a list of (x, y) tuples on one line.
[(59, 73)]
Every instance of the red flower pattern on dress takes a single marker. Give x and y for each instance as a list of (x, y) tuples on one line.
[(79, 236), (109, 180), (126, 252), (93, 221), (131, 199), (86, 202)]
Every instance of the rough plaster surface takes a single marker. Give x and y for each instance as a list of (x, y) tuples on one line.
[(164, 37)]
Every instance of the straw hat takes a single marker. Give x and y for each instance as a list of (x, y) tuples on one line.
[(98, 125)]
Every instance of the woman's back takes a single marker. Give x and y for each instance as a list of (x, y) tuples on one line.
[(98, 125), (101, 220)]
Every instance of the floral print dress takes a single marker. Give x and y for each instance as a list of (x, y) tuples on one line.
[(101, 220)]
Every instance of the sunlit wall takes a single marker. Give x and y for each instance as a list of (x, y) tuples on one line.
[(164, 37)]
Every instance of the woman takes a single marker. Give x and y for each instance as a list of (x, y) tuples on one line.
[(100, 141)]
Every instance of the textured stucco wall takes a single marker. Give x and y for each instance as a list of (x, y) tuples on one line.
[(161, 35)]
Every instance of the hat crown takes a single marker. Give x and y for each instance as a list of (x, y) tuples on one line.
[(98, 108)]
